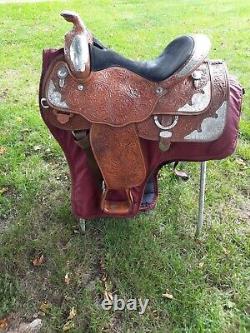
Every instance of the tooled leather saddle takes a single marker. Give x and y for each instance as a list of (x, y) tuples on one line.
[(129, 118)]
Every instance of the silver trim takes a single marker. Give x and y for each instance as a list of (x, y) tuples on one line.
[(43, 100), (211, 127), (196, 75), (79, 52), (159, 90), (62, 74), (165, 134), (200, 100), (202, 46), (80, 87), (55, 97), (159, 125)]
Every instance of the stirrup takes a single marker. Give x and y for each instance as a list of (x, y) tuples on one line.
[(116, 207)]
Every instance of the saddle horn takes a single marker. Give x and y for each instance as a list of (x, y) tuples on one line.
[(76, 48), (75, 19)]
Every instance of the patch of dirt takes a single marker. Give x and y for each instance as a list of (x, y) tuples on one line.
[(243, 213), (3, 94), (115, 324), (244, 210), (9, 215), (32, 327)]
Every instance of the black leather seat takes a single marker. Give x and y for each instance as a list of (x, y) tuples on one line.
[(159, 69)]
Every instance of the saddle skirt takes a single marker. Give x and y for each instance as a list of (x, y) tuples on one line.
[(116, 109)]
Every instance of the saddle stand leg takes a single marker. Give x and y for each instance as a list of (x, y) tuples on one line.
[(203, 170), (82, 225)]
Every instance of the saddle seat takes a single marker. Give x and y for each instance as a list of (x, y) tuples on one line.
[(174, 56)]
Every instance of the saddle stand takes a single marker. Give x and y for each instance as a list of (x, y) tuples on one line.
[(118, 120), (201, 198)]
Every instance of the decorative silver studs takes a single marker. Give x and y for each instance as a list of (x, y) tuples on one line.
[(159, 90), (196, 75), (80, 87), (62, 73)]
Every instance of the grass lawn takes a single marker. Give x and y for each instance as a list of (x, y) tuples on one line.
[(151, 254)]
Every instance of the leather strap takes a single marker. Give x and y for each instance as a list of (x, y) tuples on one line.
[(82, 140), (180, 174)]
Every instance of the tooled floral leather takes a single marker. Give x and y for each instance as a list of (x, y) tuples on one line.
[(188, 123), (181, 93), (118, 97), (113, 96), (74, 121), (119, 155)]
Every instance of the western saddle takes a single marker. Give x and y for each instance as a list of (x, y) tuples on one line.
[(111, 104)]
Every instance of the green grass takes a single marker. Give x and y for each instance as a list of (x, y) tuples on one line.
[(145, 256)]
